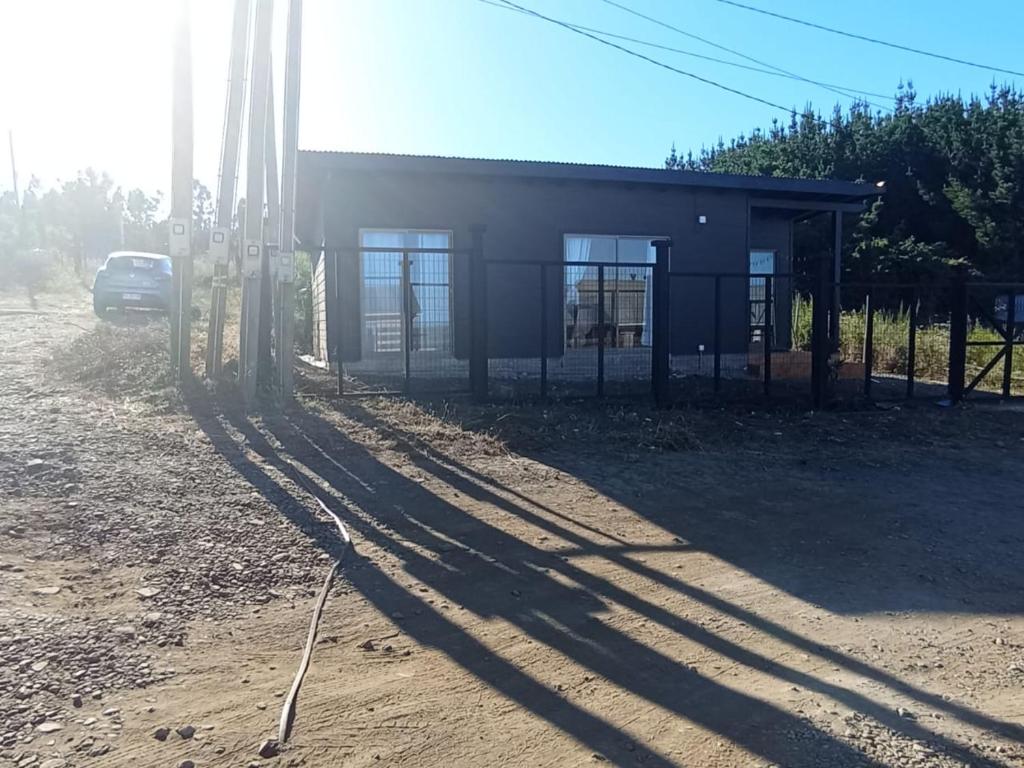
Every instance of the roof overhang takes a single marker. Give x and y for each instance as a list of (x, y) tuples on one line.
[(840, 191)]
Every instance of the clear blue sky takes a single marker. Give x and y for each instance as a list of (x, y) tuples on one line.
[(456, 77), (461, 77)]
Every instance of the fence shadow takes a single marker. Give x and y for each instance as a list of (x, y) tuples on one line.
[(518, 589), (484, 489)]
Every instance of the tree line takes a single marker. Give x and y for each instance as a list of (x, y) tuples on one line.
[(954, 180), (82, 220)]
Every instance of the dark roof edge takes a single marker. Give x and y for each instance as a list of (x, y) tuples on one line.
[(375, 162)]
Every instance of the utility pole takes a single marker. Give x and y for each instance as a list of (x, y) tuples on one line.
[(253, 244), (270, 240), (231, 141), (285, 283), (181, 197), (14, 167)]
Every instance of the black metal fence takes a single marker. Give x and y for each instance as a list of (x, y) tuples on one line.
[(444, 320)]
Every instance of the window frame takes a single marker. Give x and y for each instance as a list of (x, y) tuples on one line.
[(601, 236), (406, 232)]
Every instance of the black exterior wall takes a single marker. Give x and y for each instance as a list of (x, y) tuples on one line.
[(527, 218)]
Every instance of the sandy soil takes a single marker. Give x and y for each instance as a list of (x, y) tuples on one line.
[(572, 585)]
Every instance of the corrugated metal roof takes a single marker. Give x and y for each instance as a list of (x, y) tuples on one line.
[(473, 166)]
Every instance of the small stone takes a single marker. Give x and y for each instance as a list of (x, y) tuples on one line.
[(53, 762), (47, 590), (186, 731), (147, 592), (269, 748), (260, 705), (49, 726), (110, 711), (39, 666), (76, 700), (35, 466), (161, 734), (367, 646), (186, 764)]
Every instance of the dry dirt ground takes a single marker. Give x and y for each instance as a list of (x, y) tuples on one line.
[(572, 585)]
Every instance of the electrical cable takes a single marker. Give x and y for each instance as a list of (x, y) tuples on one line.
[(656, 62), (693, 54), (733, 51), (874, 40)]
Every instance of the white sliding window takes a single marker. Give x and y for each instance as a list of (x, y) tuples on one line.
[(382, 289), (628, 294)]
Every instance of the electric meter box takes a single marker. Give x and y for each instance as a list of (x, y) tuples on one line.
[(285, 267), (180, 238), (220, 243), (251, 258)]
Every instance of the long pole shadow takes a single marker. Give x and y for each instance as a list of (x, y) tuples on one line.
[(454, 477), (566, 620), (429, 626)]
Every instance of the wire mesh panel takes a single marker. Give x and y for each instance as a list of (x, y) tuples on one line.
[(433, 365), (893, 342), (994, 357), (518, 337), (569, 329), (376, 361), (403, 310)]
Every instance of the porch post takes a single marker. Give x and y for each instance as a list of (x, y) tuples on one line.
[(837, 274), (660, 322), (957, 336), (478, 316), (819, 334)]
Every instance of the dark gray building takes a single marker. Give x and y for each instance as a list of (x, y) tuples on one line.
[(542, 212)]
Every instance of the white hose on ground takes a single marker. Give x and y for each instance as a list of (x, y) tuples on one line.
[(288, 710)]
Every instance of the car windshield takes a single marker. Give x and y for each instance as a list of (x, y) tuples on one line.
[(130, 263)]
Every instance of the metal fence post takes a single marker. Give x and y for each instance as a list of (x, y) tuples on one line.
[(768, 333), (600, 330), (478, 317), (406, 321), (912, 344), (661, 323), (869, 343), (1011, 326), (820, 334), (957, 336), (543, 333), (337, 312), (718, 333)]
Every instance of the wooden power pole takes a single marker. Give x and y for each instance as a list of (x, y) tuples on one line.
[(231, 143), (180, 240), (253, 243), (285, 283)]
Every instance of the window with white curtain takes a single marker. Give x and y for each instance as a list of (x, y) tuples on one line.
[(762, 262), (381, 290), (628, 290)]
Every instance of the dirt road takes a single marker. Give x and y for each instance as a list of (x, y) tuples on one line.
[(576, 585)]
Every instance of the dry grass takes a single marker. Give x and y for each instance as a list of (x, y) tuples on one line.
[(121, 361)]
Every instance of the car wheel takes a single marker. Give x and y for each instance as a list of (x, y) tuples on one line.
[(98, 307)]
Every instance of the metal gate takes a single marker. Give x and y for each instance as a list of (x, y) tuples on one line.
[(396, 328), (990, 320)]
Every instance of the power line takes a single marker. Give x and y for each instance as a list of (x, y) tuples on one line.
[(655, 62), (876, 41), (693, 54), (734, 52)]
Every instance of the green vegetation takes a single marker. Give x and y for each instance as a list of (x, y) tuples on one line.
[(891, 334), (954, 174), (81, 221)]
